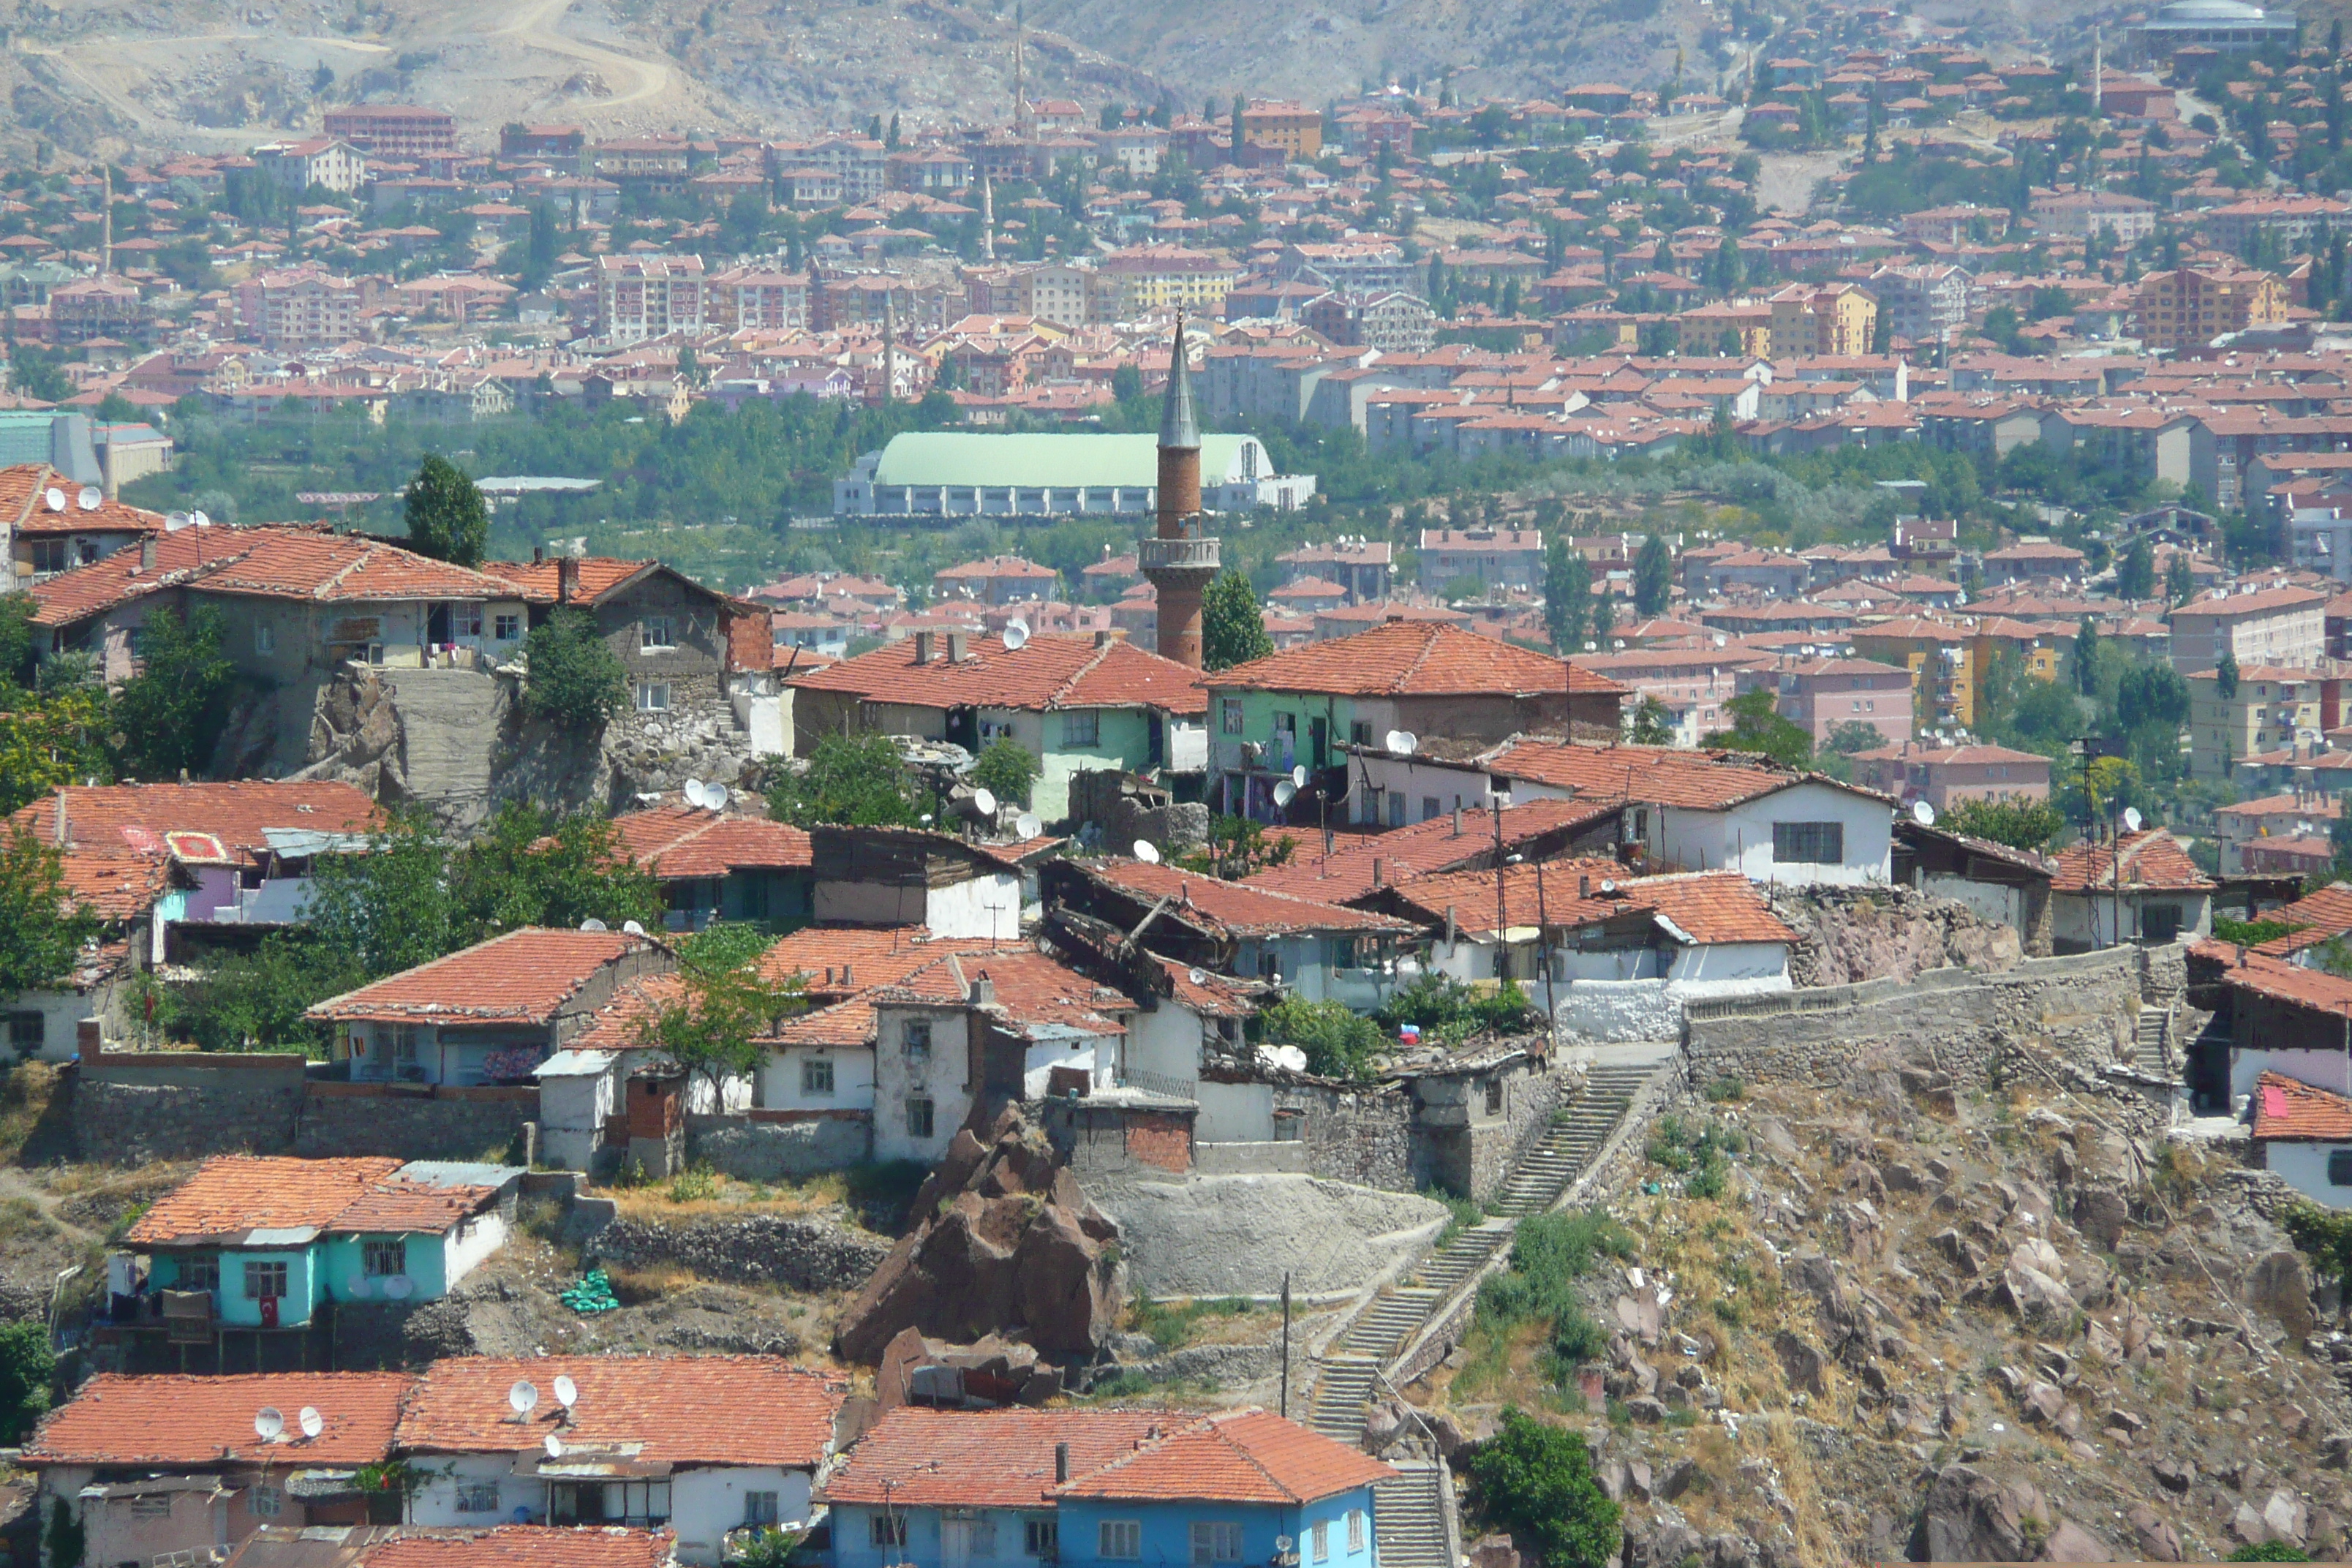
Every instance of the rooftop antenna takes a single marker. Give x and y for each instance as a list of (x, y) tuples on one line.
[(983, 802), (1147, 851), (1016, 635), (567, 1393), (310, 1421), (632, 928), (268, 1424), (522, 1398), (1404, 742)]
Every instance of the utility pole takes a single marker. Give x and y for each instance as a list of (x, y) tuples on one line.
[(1285, 1344)]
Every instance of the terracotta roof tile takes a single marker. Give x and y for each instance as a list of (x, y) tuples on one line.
[(107, 819), (1051, 671), (1239, 909), (523, 975), (915, 1458), (23, 504), (535, 581), (2152, 859), (1033, 992), (1712, 908), (2278, 978), (679, 841), (341, 568), (2287, 1108), (1424, 848), (1240, 1455), (114, 884), (1651, 776), (237, 1192), (206, 1421), (684, 1410), (525, 1546), (1413, 658)]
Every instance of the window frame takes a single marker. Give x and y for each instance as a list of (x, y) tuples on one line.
[(1118, 1539), (258, 1271), (1231, 719), (762, 1509), (1041, 1538), (469, 1495), (373, 1253), (813, 1068), (1356, 1531), (2339, 1167), (506, 627), (199, 1271), (885, 1529), (28, 1030), (924, 1125), (1808, 843), (264, 1501), (656, 634), (265, 637), (645, 692), (1082, 726), (1216, 1541), (1318, 1540)]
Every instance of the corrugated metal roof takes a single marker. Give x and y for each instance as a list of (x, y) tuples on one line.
[(959, 458)]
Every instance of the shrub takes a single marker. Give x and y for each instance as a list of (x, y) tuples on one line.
[(1725, 1089), (1337, 1042), (1006, 770), (1449, 1012), (1537, 1483), (26, 1366), (1548, 1254), (856, 781), (575, 679), (2269, 1552)]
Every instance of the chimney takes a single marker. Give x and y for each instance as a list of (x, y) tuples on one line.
[(567, 578), (844, 975), (1457, 819), (147, 552), (955, 643), (922, 647), (539, 555), (1061, 1464), (65, 829), (1584, 886), (983, 992), (1105, 638), (1376, 871)]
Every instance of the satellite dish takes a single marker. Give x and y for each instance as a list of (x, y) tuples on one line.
[(1608, 884), (362, 1286), (523, 1397), (310, 1421), (1285, 792), (1147, 851), (175, 521), (1923, 814), (1196, 976), (268, 1424), (694, 793), (567, 1393), (2132, 819), (1029, 825), (1283, 1543), (554, 1446), (54, 498), (1298, 775), (90, 498), (592, 923), (1401, 742), (399, 1287), (199, 520), (1016, 635), (632, 928), (984, 801)]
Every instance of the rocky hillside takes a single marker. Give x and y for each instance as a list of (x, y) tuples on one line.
[(2007, 1323)]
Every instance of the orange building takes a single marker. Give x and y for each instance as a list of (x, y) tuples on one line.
[(1296, 127), (2191, 306), (1840, 319)]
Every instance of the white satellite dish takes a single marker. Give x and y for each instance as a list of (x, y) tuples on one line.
[(175, 521), (1283, 1543), (983, 802), (1196, 976), (399, 1287), (90, 498), (1016, 635), (1401, 742), (310, 1421), (523, 1397), (592, 923), (1285, 792), (1607, 885), (2132, 819), (1147, 851), (1923, 814), (1298, 775), (268, 1424), (694, 793), (1029, 825), (54, 498), (362, 1286), (631, 928), (199, 520), (554, 1446), (567, 1393)]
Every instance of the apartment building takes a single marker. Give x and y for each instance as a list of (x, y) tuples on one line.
[(1294, 129), (642, 297), (1495, 557), (2191, 305), (323, 161), (1923, 301), (1151, 278), (2273, 709), (394, 130), (2284, 626), (303, 307), (744, 299), (1839, 319)]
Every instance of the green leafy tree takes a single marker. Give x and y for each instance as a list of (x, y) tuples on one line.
[(1238, 847), (170, 713), (66, 1538), (2135, 573), (39, 933), (2020, 824), (19, 644), (1232, 631), (1338, 1041), (536, 867), (2269, 1552), (1126, 383), (855, 780), (1758, 726), (448, 517), (2180, 581), (256, 1001), (48, 738), (1568, 595), (1852, 735), (1653, 576), (574, 678), (2225, 675), (728, 1007), (1650, 724), (1537, 1481), (1006, 770), (387, 909), (2086, 657)]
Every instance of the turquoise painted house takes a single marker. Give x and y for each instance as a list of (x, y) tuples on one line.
[(264, 1244), (1016, 1489)]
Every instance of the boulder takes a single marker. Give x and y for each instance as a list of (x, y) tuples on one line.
[(2038, 1299), (2038, 1255), (1676, 1479), (1062, 1298), (2286, 1517), (2101, 1212), (2175, 1476), (1969, 1516), (2070, 1542), (1800, 1363), (2155, 1539), (2279, 1286)]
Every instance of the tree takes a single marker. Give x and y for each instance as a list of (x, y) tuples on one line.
[(1006, 770), (726, 1009), (573, 677), (1653, 576), (533, 866), (2086, 657), (2135, 573), (1650, 724), (856, 781), (1605, 616), (1568, 595), (1757, 726), (169, 714), (49, 739), (2020, 824), (41, 934), (19, 647), (1338, 1041), (447, 519), (1852, 735), (1231, 630), (2225, 674), (2180, 581), (1238, 847), (1126, 383), (1537, 1481)]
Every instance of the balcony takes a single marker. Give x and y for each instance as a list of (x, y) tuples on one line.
[(1179, 554)]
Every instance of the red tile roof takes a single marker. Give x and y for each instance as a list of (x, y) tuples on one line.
[(107, 819), (525, 1546), (2329, 908), (2278, 978), (1710, 908), (1033, 992), (237, 1192), (208, 1421), (915, 1458), (23, 504), (536, 581), (1238, 1456), (2287, 1108), (114, 884), (340, 568), (684, 1410), (1423, 849), (525, 976), (1052, 671), (1651, 776), (1413, 658), (1243, 910), (679, 841), (2152, 859)]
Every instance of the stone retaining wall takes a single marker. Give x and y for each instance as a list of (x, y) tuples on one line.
[(448, 1124), (130, 1108), (757, 1249), (754, 1149)]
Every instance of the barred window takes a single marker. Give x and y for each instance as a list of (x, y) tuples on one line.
[(1807, 843)]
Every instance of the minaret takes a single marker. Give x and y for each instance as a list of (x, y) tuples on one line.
[(889, 347), (987, 217), (1179, 560), (1019, 84), (105, 243)]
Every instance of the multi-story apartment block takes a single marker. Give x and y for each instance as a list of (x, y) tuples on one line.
[(1923, 301), (302, 307), (1839, 319), (642, 297), (323, 161), (744, 299), (2125, 219), (1295, 128), (2277, 627), (2191, 305), (394, 130), (2273, 709), (1058, 292), (1151, 278), (1498, 557), (1390, 321)]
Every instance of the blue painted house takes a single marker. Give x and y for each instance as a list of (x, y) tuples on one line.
[(1014, 1489)]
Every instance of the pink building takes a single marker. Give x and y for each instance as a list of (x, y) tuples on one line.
[(1941, 775), (1820, 694)]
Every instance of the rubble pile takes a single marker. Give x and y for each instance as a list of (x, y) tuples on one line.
[(1852, 934)]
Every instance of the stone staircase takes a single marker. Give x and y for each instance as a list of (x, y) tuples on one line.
[(1409, 1516), (1382, 1329), (2152, 1052)]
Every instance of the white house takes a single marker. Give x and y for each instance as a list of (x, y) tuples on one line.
[(2302, 1135), (703, 1445), (2141, 887)]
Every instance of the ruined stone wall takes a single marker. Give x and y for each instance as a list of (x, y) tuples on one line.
[(754, 1149), (761, 1249), (1360, 1135)]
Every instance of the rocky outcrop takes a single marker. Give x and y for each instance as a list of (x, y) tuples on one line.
[(1852, 934), (759, 1250), (1004, 1243)]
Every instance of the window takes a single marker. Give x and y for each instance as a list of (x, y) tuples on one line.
[(1355, 1530), (28, 1032), (265, 637), (507, 627), (1430, 806), (49, 555), (656, 634), (1360, 730), (200, 1271), (1319, 1538), (759, 1508), (1493, 1097), (917, 1040), (1807, 843), (816, 1075), (1396, 809), (1082, 726), (885, 1529), (265, 1281), (652, 696), (478, 1496), (2159, 922), (1119, 1540), (1216, 1541), (1229, 714), (465, 620), (2339, 1167), (266, 1500), (1042, 1537), (383, 1260), (918, 1119)]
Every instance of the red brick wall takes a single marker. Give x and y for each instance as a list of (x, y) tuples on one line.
[(1161, 1140)]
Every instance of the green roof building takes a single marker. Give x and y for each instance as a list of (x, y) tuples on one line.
[(954, 473)]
